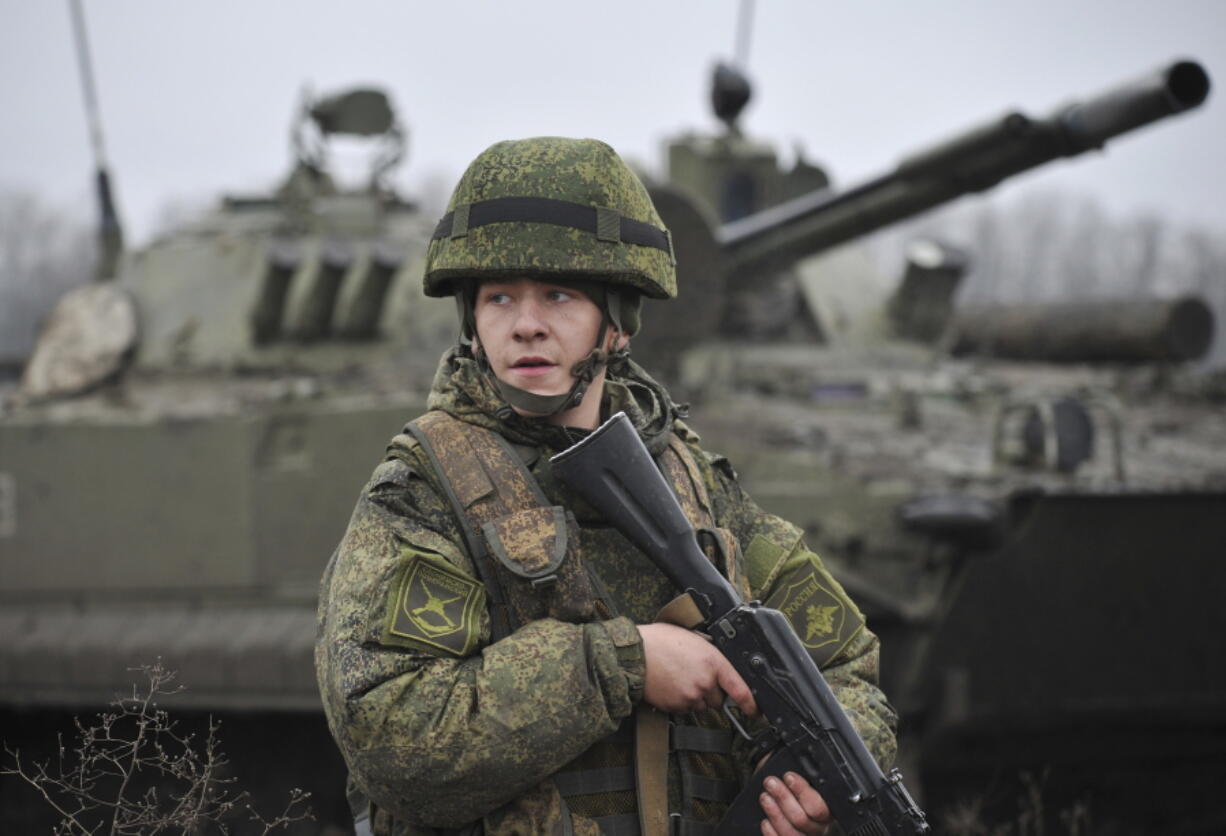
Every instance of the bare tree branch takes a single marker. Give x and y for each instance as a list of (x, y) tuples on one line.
[(95, 789)]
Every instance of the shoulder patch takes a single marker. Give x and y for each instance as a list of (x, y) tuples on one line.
[(433, 606), (767, 554), (819, 611), (762, 558)]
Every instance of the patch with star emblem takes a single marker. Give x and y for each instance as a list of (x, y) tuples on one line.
[(818, 610), (434, 607)]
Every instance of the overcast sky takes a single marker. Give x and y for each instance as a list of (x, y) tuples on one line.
[(197, 97)]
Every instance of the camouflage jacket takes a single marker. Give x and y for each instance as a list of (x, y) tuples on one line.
[(438, 724)]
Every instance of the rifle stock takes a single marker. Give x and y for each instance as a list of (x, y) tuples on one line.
[(613, 472)]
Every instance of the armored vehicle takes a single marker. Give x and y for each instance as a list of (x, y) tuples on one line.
[(1029, 500), (189, 438), (187, 443)]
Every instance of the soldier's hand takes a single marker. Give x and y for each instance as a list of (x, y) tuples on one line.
[(792, 808), (686, 673)]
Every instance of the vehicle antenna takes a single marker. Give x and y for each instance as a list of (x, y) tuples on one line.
[(744, 28), (110, 231), (730, 88)]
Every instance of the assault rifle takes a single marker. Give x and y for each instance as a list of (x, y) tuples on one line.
[(613, 471)]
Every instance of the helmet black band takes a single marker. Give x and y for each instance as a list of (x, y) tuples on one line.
[(605, 224)]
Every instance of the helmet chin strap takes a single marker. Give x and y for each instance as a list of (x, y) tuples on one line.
[(542, 406), (584, 372)]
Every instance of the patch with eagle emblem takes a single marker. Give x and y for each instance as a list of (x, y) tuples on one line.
[(434, 607), (818, 610)]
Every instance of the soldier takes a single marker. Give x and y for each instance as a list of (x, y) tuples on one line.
[(490, 653)]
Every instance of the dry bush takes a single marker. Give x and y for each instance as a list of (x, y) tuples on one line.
[(132, 772)]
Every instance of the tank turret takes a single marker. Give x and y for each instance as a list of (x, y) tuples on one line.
[(737, 219), (973, 161), (312, 278)]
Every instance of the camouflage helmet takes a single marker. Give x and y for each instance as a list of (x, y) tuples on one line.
[(551, 208)]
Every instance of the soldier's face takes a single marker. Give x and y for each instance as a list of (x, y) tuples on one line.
[(533, 333)]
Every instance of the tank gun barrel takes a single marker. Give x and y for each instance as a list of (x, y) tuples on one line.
[(971, 162)]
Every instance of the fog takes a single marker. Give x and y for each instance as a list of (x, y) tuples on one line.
[(197, 98)]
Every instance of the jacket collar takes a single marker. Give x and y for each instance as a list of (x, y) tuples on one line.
[(463, 390)]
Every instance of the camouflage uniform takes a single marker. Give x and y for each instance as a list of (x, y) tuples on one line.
[(439, 725)]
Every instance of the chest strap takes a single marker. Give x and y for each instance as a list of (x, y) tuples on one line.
[(483, 480)]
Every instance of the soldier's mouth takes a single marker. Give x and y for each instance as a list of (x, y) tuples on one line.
[(533, 366)]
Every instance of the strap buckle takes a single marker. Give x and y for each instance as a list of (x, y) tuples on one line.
[(545, 582)]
